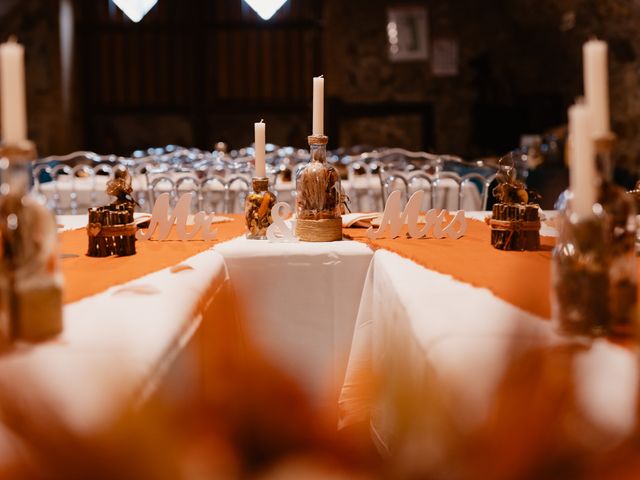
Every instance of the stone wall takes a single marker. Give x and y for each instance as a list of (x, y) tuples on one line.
[(520, 64)]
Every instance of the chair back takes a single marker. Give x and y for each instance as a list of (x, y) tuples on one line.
[(449, 182), (74, 182), (466, 174)]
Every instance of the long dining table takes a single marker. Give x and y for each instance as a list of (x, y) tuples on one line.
[(327, 314)]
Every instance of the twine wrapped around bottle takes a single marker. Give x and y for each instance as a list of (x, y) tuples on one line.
[(327, 230)]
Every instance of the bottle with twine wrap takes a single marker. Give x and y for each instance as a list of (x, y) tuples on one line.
[(593, 275), (30, 277), (257, 209), (318, 196)]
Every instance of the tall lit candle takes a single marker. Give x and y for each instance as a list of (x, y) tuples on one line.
[(318, 106), (582, 170), (12, 96), (596, 86), (259, 147)]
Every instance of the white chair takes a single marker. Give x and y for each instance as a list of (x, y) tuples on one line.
[(451, 183), (74, 182)]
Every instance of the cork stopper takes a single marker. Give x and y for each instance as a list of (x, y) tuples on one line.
[(24, 151), (318, 139), (606, 143), (260, 184)]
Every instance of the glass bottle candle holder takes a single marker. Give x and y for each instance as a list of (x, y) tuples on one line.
[(257, 209), (318, 196), (30, 277), (593, 276)]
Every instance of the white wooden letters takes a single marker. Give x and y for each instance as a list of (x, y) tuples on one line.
[(278, 231), (162, 221), (393, 219)]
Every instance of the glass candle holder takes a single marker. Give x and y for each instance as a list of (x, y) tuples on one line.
[(30, 277), (318, 196), (593, 275), (257, 209)]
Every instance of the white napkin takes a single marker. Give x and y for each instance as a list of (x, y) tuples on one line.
[(361, 220)]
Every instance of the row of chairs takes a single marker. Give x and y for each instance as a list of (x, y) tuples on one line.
[(220, 180)]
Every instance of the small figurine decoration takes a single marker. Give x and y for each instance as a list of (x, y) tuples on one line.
[(112, 229), (515, 222), (120, 186)]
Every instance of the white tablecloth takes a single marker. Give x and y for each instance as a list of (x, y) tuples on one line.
[(116, 346), (412, 319), (300, 302)]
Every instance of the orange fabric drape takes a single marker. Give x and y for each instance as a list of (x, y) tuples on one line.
[(520, 278), (85, 276)]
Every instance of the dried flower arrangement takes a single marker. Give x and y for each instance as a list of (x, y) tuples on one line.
[(257, 209)]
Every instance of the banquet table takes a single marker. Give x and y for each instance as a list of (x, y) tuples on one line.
[(327, 314)]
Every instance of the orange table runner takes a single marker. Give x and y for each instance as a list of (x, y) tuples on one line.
[(520, 278), (85, 276)]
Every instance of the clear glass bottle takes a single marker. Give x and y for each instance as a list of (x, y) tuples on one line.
[(318, 196), (30, 277), (257, 209), (593, 275)]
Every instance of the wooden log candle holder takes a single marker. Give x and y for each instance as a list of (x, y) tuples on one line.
[(515, 227), (515, 221), (111, 231)]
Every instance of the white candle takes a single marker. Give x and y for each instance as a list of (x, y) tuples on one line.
[(12, 96), (318, 106), (596, 86), (259, 147), (582, 170)]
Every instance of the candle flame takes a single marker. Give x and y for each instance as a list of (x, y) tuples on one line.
[(262, 120), (13, 39)]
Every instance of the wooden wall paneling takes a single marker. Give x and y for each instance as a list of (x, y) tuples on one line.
[(199, 58)]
